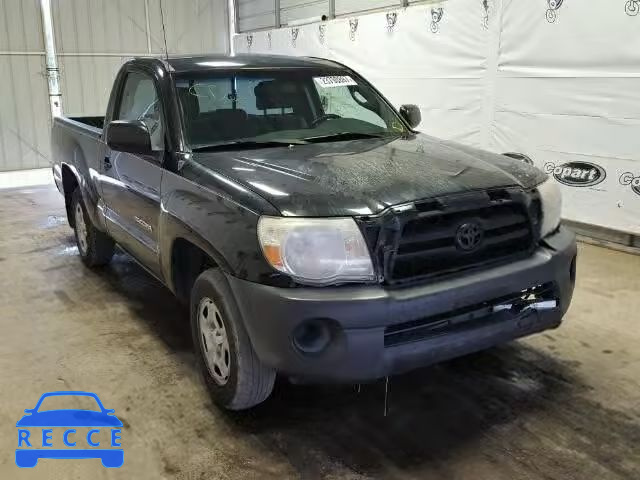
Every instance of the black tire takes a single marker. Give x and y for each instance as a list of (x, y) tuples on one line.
[(98, 248), (249, 381)]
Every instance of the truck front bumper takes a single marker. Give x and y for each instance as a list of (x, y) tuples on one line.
[(369, 332)]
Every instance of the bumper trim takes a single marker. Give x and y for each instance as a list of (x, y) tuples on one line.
[(470, 317)]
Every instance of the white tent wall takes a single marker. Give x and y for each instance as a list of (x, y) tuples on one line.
[(24, 101), (93, 39), (559, 85)]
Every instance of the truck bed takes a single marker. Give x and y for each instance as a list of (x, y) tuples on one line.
[(96, 122), (75, 141)]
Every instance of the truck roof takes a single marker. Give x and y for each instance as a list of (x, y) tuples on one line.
[(243, 61)]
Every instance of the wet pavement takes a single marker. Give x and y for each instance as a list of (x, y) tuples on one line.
[(561, 405)]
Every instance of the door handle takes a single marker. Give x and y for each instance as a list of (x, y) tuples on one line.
[(107, 163)]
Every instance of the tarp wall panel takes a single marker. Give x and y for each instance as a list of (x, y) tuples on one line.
[(567, 91), (560, 85)]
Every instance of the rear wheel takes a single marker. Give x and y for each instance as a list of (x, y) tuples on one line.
[(95, 247), (112, 459), (233, 373)]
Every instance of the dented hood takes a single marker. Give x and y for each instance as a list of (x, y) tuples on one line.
[(364, 177)]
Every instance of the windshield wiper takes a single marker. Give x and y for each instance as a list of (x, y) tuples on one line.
[(248, 144), (340, 136)]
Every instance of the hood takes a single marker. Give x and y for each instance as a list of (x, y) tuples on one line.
[(364, 177)]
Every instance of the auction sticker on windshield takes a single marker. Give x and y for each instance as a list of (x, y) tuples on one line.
[(335, 81)]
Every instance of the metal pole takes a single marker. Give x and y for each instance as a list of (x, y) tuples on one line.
[(148, 25), (276, 6), (332, 8), (233, 24), (53, 72)]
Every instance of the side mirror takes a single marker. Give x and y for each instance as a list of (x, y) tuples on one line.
[(411, 113), (130, 136)]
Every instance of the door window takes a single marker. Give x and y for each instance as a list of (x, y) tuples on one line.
[(140, 101)]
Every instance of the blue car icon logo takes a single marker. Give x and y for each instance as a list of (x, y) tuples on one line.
[(69, 422)]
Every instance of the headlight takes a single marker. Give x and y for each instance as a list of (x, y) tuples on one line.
[(316, 251), (551, 201)]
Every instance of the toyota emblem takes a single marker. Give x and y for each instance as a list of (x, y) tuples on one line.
[(469, 236)]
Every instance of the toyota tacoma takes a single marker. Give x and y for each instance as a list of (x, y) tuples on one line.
[(311, 229)]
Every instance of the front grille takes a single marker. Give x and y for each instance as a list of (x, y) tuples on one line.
[(469, 317), (421, 243)]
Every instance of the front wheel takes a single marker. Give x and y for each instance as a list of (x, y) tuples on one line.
[(95, 247), (233, 373), (632, 8)]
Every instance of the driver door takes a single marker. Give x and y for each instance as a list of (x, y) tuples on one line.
[(131, 182)]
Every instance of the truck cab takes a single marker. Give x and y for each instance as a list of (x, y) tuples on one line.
[(311, 229)]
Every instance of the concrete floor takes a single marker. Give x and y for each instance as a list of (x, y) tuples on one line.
[(561, 405)]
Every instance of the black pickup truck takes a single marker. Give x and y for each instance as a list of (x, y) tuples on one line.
[(311, 230)]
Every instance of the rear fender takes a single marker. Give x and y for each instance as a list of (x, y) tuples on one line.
[(87, 180)]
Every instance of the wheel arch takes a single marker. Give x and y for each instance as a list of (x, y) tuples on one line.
[(69, 184), (187, 255), (72, 178)]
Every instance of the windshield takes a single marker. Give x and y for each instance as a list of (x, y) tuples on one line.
[(281, 106)]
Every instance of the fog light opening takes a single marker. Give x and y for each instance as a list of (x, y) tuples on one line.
[(312, 337)]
